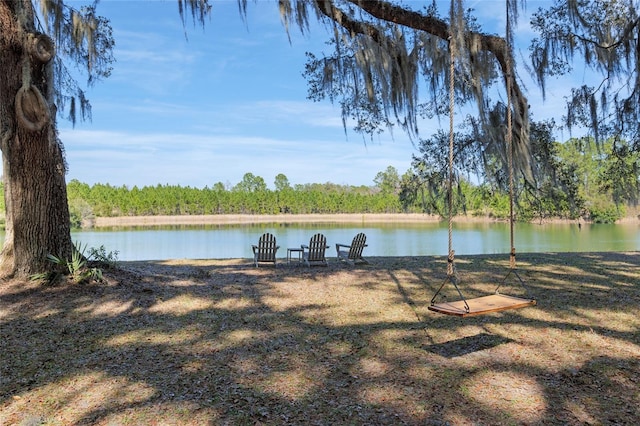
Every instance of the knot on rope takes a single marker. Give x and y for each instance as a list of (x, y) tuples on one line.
[(450, 266)]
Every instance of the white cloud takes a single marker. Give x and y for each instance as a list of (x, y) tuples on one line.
[(129, 159)]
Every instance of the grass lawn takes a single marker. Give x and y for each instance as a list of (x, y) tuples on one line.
[(198, 342)]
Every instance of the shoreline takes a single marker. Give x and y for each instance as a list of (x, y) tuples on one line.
[(240, 219), (360, 218)]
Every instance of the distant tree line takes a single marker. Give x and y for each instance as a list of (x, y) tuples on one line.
[(585, 179), (249, 196)]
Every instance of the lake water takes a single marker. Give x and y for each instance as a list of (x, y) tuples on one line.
[(234, 241)]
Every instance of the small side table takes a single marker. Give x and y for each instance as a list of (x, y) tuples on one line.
[(291, 252)]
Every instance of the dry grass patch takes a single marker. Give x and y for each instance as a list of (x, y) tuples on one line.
[(221, 342)]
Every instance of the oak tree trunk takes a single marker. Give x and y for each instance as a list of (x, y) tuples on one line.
[(37, 213)]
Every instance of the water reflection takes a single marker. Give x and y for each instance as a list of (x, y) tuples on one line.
[(397, 239)]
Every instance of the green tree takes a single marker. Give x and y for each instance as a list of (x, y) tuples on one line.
[(219, 187), (79, 208), (412, 192), (250, 183), (603, 177), (388, 181), (620, 175), (558, 190), (580, 162), (281, 182)]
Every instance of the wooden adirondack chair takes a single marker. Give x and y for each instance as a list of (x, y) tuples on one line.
[(353, 253), (266, 249), (314, 252)]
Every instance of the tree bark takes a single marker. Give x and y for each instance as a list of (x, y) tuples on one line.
[(37, 213)]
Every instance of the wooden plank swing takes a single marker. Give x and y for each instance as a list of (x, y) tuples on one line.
[(481, 305), (495, 302)]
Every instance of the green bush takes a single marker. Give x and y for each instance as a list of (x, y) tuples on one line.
[(81, 268), (605, 213)]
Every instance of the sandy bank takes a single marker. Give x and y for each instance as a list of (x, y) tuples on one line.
[(235, 219), (239, 219)]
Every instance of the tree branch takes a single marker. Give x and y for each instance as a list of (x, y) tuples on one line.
[(389, 12), (475, 41)]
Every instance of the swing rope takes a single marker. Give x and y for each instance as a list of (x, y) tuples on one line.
[(451, 269), (512, 257), (496, 302), (450, 264), (513, 269)]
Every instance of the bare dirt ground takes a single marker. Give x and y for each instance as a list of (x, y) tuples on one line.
[(222, 342)]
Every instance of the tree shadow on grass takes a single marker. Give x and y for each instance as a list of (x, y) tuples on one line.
[(230, 344), (467, 345)]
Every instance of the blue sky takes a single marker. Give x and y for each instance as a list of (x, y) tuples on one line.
[(225, 101)]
